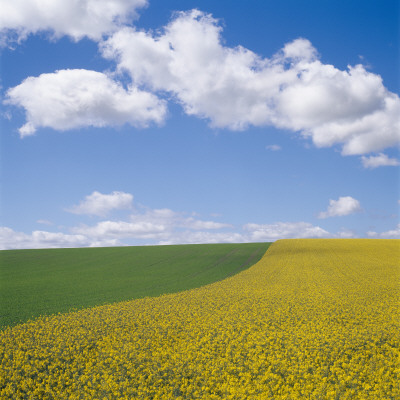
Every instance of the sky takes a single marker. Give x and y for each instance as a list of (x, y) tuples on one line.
[(146, 122)]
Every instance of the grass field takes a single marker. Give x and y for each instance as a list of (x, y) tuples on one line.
[(39, 282), (313, 319)]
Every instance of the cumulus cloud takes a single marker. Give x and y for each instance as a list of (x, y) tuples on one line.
[(79, 98), (391, 234), (231, 87), (283, 230), (235, 88), (228, 86), (101, 204), (77, 19), (380, 160), (343, 206)]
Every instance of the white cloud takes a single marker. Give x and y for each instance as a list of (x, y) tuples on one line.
[(101, 204), (195, 224), (273, 147), (169, 230), (283, 230), (78, 98), (332, 107), (379, 160), (231, 87), (10, 239), (300, 50), (228, 86), (158, 233), (171, 219), (164, 225), (391, 234), (122, 230), (77, 19), (234, 87), (341, 207), (150, 226)]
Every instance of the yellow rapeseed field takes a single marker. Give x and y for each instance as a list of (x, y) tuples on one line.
[(314, 319)]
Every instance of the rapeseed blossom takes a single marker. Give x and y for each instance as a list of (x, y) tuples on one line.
[(313, 319)]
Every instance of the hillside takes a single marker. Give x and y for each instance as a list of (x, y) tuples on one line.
[(39, 282), (315, 319)]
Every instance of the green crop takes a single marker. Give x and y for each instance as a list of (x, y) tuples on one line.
[(48, 281)]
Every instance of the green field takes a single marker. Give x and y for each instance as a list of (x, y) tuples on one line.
[(39, 282)]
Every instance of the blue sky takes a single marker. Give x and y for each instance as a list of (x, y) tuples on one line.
[(129, 122)]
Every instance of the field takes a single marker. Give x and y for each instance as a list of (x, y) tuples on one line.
[(40, 282), (313, 319)]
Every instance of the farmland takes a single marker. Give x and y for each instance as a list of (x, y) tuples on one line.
[(39, 282), (315, 319)]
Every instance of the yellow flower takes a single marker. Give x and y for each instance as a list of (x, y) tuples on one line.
[(312, 319)]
